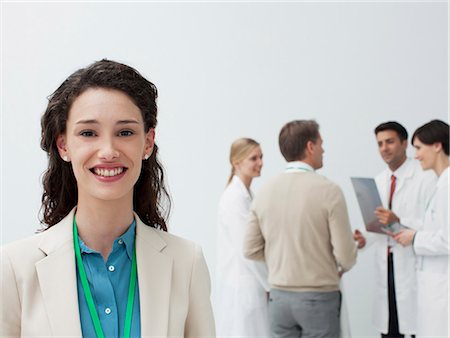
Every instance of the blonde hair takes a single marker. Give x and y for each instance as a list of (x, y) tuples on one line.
[(239, 150)]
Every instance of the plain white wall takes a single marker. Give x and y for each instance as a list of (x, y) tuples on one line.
[(223, 71)]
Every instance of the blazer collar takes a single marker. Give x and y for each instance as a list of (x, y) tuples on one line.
[(58, 281), (155, 277), (56, 273)]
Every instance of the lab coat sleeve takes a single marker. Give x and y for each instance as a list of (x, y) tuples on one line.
[(9, 301), (344, 247), (199, 320), (433, 243), (425, 191), (237, 220)]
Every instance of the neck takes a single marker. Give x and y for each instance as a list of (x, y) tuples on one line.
[(308, 161), (442, 163), (246, 180), (394, 166), (99, 223)]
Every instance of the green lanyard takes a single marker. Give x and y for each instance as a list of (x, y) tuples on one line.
[(88, 294)]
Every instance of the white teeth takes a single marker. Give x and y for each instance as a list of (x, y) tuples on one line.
[(108, 173)]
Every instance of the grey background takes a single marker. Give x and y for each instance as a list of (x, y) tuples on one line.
[(223, 71)]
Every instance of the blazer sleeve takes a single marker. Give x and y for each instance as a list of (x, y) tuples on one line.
[(10, 300), (200, 319)]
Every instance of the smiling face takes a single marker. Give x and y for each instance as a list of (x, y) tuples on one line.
[(105, 142), (391, 148), (426, 154), (251, 165)]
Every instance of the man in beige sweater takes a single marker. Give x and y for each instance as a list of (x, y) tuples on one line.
[(299, 226)]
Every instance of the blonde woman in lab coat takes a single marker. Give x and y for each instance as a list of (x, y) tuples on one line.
[(241, 288), (431, 244)]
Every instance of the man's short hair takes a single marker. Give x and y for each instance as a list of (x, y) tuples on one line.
[(294, 137), (395, 126)]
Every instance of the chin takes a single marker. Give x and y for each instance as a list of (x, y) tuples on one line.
[(425, 166)]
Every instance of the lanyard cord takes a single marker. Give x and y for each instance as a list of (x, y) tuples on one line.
[(88, 294), (299, 168)]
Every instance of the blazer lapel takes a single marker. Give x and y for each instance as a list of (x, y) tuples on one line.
[(57, 279), (154, 277)]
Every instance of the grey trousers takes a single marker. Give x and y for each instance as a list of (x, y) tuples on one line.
[(304, 314)]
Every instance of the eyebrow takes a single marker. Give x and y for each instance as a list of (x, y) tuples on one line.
[(97, 122)]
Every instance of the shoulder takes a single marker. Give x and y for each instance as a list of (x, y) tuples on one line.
[(232, 191), (382, 175), (169, 244), (21, 255)]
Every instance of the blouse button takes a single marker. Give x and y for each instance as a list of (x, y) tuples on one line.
[(111, 268), (120, 241), (107, 310)]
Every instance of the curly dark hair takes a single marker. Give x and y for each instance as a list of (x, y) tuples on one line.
[(151, 200)]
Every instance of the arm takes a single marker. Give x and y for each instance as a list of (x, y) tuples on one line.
[(425, 190), (254, 242), (10, 325), (235, 216), (436, 241), (341, 237), (199, 320)]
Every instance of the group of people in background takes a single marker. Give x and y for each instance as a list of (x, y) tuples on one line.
[(282, 253)]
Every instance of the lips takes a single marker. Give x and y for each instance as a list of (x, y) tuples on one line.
[(108, 172)]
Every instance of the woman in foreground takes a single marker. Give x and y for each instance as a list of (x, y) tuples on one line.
[(104, 266)]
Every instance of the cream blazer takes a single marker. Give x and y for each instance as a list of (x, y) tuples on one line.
[(39, 288)]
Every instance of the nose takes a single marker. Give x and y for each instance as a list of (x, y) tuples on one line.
[(107, 150)]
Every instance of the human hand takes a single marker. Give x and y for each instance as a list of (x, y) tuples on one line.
[(405, 237), (386, 216), (359, 238)]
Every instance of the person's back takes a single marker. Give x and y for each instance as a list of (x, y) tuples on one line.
[(299, 226), (301, 219)]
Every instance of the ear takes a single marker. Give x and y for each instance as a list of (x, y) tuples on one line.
[(310, 147), (149, 143), (62, 147), (437, 147), (404, 144)]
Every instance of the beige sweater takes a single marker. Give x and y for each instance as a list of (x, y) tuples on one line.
[(299, 226)]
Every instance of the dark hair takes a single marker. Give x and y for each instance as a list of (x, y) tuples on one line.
[(395, 126), (435, 131), (294, 136), (151, 200)]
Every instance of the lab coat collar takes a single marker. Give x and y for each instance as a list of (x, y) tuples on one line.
[(237, 182)]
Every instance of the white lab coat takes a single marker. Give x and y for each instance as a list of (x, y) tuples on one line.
[(433, 248), (241, 284), (413, 188)]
